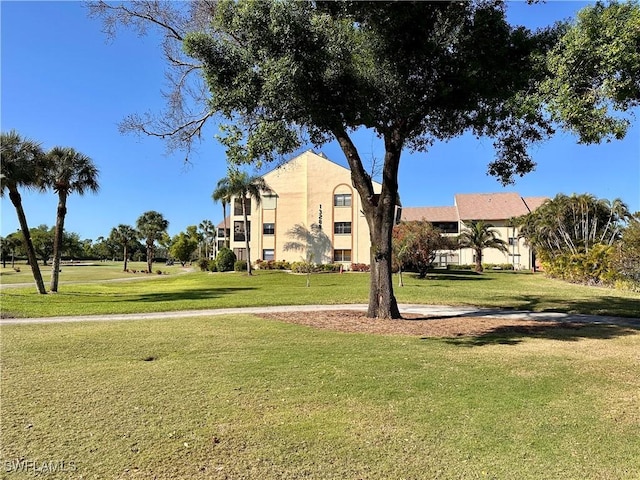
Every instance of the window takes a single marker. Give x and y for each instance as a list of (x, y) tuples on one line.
[(446, 227), (342, 255), (268, 254), (342, 200), (513, 241), (240, 253), (269, 202), (341, 228), (237, 206), (238, 231), (268, 229)]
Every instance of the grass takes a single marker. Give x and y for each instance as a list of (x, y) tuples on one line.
[(240, 397), (201, 291), (82, 272)]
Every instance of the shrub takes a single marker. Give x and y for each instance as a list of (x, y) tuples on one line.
[(225, 260), (460, 267), (211, 266), (273, 265), (303, 267), (203, 263), (282, 265), (159, 272), (240, 265), (594, 267), (497, 266), (331, 267), (359, 267)]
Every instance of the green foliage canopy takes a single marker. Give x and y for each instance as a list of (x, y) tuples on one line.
[(595, 71)]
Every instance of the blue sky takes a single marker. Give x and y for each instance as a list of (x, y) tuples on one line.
[(64, 84)]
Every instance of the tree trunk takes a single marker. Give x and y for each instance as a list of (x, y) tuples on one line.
[(14, 195), (382, 302), (150, 253), (57, 240), (246, 235), (479, 268), (379, 211), (126, 254), (224, 219)]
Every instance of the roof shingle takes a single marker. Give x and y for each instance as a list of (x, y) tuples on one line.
[(490, 206), (430, 214)]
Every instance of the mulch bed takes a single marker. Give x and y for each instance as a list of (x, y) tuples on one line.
[(418, 325)]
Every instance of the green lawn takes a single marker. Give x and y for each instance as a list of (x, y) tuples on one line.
[(205, 290), (89, 271), (240, 397)]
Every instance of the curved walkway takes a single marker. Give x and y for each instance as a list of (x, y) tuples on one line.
[(435, 311)]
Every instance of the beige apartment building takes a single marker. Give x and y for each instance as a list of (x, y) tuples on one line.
[(494, 208), (311, 189)]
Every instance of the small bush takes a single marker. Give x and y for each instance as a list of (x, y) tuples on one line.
[(497, 266), (359, 267), (212, 266), (203, 264), (240, 265), (330, 267), (626, 284), (273, 265), (159, 272), (303, 267), (225, 260), (460, 267)]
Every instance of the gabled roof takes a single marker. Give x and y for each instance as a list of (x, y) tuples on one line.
[(534, 202), (490, 206), (221, 224), (430, 214)]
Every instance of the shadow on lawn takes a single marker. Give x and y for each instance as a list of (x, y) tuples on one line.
[(450, 275), (601, 305), (187, 294), (563, 331)]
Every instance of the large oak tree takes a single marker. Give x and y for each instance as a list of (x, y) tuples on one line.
[(287, 72), (414, 73)]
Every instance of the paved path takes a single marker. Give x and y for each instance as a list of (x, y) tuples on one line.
[(435, 311)]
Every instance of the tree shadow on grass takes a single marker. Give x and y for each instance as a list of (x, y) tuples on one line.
[(203, 293), (189, 294), (563, 331), (450, 275), (600, 305)]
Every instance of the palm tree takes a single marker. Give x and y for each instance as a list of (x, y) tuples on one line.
[(209, 234), (125, 236), (246, 188), (222, 194), (70, 172), (478, 237), (23, 164), (151, 225)]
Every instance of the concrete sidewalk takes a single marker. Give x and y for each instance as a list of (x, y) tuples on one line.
[(431, 311)]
